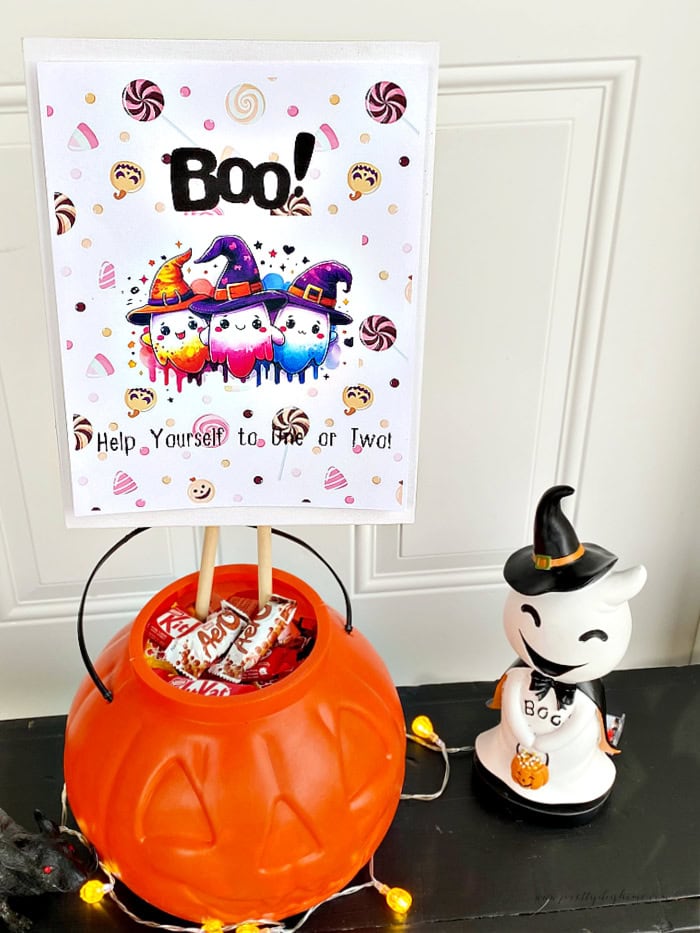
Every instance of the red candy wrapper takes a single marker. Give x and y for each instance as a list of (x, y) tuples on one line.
[(277, 663), (256, 639), (173, 623), (197, 650)]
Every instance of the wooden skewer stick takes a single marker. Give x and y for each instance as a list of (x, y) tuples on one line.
[(206, 571), (264, 564)]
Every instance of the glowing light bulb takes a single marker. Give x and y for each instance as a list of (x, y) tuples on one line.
[(423, 728), (92, 892), (212, 926), (399, 900)]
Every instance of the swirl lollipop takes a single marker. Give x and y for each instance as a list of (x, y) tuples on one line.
[(377, 332), (386, 102), (296, 206), (245, 103), (143, 100), (289, 426), (64, 210)]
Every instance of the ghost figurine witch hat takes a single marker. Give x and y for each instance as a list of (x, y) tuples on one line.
[(239, 285), (557, 561), (567, 618), (316, 289)]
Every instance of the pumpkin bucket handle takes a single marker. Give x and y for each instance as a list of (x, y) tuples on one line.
[(90, 667)]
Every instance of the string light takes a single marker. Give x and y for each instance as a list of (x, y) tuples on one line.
[(423, 728), (399, 900), (92, 892)]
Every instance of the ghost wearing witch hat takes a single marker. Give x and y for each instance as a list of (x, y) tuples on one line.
[(176, 335), (568, 620), (308, 319), (241, 334)]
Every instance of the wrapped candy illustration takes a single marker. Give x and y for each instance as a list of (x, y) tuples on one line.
[(567, 618)]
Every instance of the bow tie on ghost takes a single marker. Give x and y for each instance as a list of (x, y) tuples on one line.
[(541, 685)]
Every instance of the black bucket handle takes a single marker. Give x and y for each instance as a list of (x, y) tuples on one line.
[(90, 667)]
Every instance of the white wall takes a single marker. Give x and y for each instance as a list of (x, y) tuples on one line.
[(563, 267)]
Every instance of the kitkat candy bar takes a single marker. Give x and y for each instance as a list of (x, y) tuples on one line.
[(170, 624)]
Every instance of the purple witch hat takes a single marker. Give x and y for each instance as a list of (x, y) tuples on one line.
[(239, 284), (316, 289)]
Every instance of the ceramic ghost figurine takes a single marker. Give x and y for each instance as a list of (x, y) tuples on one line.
[(567, 618)]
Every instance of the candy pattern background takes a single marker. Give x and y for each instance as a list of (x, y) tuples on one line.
[(206, 438)]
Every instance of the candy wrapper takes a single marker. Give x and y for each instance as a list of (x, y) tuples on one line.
[(256, 639), (199, 648), (171, 624), (203, 687)]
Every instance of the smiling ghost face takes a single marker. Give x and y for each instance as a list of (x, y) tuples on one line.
[(179, 338), (306, 338), (242, 337), (578, 635)]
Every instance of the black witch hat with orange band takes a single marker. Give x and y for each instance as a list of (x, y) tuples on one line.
[(557, 561)]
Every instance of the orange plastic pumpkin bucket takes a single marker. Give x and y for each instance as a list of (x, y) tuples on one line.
[(252, 806)]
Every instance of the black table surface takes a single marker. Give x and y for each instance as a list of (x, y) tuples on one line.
[(470, 866)]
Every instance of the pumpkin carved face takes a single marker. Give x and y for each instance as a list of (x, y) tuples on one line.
[(257, 805), (528, 770)]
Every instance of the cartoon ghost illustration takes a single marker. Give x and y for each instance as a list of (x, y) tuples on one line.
[(176, 335), (179, 338), (308, 319), (568, 620), (241, 334)]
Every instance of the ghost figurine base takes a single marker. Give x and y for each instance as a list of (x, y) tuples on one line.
[(568, 620)]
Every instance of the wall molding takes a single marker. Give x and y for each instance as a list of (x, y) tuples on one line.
[(381, 564)]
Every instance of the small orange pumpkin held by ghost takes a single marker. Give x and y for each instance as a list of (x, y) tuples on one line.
[(529, 770)]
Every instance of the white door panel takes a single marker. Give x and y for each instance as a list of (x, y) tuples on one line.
[(561, 341)]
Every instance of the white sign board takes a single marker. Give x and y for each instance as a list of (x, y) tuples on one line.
[(235, 241)]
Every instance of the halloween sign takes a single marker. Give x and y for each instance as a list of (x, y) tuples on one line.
[(236, 241)]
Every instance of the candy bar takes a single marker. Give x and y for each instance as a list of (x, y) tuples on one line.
[(194, 652), (275, 664), (205, 688), (245, 603), (256, 639), (173, 623)]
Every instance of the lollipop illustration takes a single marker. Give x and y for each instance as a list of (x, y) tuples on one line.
[(377, 332), (215, 426), (65, 212), (82, 431), (126, 177), (245, 103), (363, 178), (295, 206), (385, 102), (289, 427), (143, 100)]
